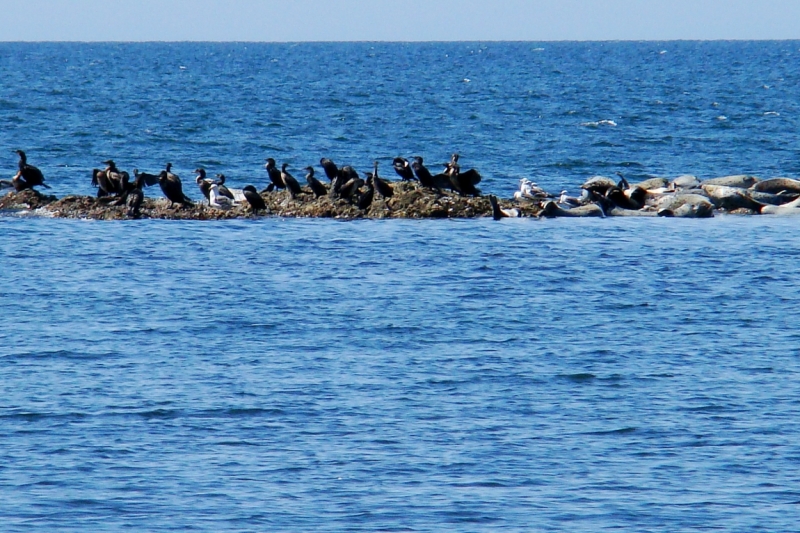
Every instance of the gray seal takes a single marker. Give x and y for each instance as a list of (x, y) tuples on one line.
[(776, 185), (687, 181), (740, 181), (551, 209), (731, 198)]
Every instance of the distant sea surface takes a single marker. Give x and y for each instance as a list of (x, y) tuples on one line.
[(316, 375)]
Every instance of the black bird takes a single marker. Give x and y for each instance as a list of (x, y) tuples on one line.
[(222, 189), (423, 174), (383, 187), (109, 182), (135, 197), (316, 186), (462, 182), (330, 168), (173, 189), (367, 196), (291, 183), (203, 183), (345, 175), (274, 174), (28, 176), (132, 196), (254, 199), (403, 169)]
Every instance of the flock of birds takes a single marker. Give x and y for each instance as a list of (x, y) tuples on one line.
[(343, 183), (683, 196)]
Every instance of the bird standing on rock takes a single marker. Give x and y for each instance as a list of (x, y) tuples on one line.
[(403, 169), (290, 182), (215, 199), (109, 182), (330, 168), (254, 199), (28, 176), (172, 188), (383, 187), (203, 183), (274, 175), (316, 186), (423, 174)]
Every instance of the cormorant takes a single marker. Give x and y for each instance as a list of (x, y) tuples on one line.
[(274, 174), (254, 199), (28, 176), (383, 187), (403, 169), (173, 189), (367, 196), (203, 182), (423, 174), (289, 181), (109, 182), (135, 195), (462, 182), (330, 168), (132, 196), (316, 186)]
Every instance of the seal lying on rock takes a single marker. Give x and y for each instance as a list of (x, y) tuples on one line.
[(687, 181), (551, 209), (740, 181), (731, 198), (498, 212), (777, 185), (673, 206)]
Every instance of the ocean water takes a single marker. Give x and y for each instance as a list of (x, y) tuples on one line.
[(298, 375)]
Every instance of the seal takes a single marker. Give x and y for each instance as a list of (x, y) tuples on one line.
[(777, 185), (652, 184), (672, 205), (731, 198), (686, 181), (739, 181), (500, 213), (552, 209)]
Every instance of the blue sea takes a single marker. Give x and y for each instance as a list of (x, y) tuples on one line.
[(452, 375)]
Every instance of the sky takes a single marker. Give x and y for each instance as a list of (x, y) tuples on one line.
[(398, 20)]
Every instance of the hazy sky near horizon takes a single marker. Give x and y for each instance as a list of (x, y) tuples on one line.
[(399, 20)]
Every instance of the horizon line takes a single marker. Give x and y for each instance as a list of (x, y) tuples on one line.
[(367, 41)]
